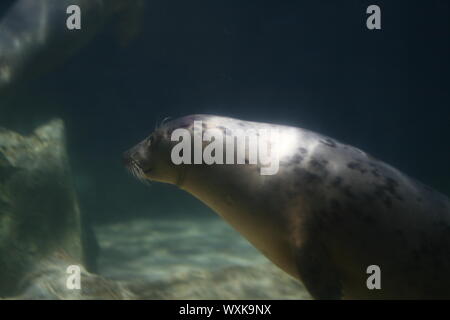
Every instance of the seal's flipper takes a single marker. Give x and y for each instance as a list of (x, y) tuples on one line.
[(317, 272)]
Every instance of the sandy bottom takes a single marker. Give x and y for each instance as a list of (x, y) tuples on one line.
[(199, 258)]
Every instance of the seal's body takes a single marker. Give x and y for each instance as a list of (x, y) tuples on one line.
[(329, 213), (34, 36)]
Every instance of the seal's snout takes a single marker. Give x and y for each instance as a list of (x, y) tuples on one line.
[(127, 159), (135, 161)]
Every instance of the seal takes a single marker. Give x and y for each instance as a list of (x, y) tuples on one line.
[(329, 213)]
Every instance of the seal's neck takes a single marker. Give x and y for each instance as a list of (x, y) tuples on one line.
[(181, 176)]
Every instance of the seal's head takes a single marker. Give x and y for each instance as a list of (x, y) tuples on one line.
[(151, 158)]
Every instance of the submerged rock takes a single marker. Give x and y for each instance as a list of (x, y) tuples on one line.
[(41, 228), (49, 281)]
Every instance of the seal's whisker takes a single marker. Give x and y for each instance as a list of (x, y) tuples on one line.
[(137, 172)]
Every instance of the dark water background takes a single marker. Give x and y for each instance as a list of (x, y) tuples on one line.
[(309, 63)]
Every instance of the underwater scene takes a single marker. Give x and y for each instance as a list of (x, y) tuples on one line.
[(224, 150)]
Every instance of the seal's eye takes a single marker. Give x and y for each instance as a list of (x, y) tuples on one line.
[(152, 140)]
